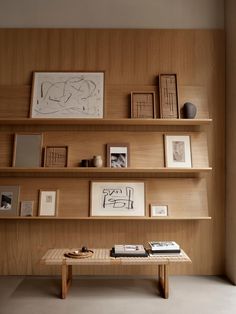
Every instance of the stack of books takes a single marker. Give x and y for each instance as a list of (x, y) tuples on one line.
[(129, 250), (163, 247)]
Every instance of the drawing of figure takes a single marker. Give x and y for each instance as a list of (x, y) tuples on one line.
[(69, 96), (118, 198), (178, 151)]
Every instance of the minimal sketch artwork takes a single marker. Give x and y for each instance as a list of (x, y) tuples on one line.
[(117, 199), (68, 95), (6, 200), (178, 151)]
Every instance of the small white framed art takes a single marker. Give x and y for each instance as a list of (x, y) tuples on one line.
[(178, 151), (48, 202), (158, 210)]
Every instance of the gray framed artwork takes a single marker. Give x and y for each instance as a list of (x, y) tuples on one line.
[(27, 150), (9, 199)]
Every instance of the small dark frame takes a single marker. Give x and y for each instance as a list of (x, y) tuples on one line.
[(56, 156), (143, 105), (115, 148), (168, 93)]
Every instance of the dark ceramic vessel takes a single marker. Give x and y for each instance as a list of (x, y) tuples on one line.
[(189, 110)]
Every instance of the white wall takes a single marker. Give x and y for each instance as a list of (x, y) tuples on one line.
[(230, 17), (112, 13)]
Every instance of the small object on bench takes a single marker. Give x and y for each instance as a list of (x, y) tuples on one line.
[(83, 253)]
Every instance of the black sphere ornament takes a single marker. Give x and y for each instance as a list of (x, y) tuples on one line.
[(189, 110)]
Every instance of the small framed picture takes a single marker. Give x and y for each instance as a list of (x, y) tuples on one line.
[(168, 93), (48, 202), (27, 150), (56, 156), (158, 210), (118, 155), (178, 151), (143, 105), (26, 209), (9, 198)]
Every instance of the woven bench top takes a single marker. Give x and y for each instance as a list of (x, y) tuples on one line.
[(102, 257)]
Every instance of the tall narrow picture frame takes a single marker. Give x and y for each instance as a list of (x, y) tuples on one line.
[(117, 199), (27, 150), (67, 95), (168, 93), (143, 105)]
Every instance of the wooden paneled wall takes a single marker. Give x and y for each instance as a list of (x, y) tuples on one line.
[(131, 60)]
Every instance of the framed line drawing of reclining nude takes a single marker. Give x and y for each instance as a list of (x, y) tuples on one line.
[(117, 199), (67, 95)]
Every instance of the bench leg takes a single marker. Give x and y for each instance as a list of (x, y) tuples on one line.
[(164, 280), (66, 278)]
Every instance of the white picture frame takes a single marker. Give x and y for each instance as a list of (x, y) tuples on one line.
[(117, 199), (178, 151), (67, 95), (159, 210), (48, 202), (26, 209)]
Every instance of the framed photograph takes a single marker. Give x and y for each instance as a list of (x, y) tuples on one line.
[(9, 199), (48, 202), (117, 199), (56, 156), (67, 95), (178, 151), (168, 93), (27, 150), (143, 105), (158, 210), (118, 155), (26, 209)]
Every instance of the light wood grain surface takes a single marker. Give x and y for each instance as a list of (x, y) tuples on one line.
[(132, 60)]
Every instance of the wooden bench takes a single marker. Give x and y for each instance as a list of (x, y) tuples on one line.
[(102, 257)]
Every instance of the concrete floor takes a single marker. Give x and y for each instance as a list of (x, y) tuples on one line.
[(188, 295)]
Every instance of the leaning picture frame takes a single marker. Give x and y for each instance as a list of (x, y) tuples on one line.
[(168, 94), (9, 200), (116, 198), (67, 95), (178, 151), (26, 209), (118, 155), (27, 151), (157, 210), (143, 105), (56, 156), (48, 202)]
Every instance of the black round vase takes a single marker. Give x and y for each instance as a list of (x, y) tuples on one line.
[(189, 110)]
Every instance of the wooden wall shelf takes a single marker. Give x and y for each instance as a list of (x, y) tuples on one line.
[(102, 172), (104, 122), (108, 218)]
